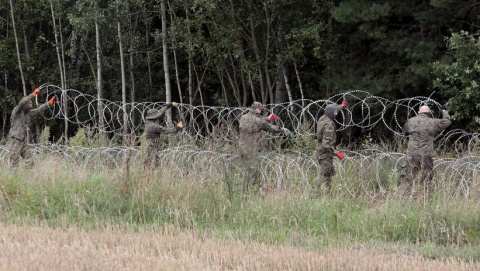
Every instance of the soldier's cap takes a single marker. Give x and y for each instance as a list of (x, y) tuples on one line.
[(424, 109), (153, 114), (256, 105)]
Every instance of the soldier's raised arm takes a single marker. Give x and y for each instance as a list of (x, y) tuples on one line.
[(24, 102), (446, 120), (159, 129)]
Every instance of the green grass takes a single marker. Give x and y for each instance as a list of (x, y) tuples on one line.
[(61, 196)]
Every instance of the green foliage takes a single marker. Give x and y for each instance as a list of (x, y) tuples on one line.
[(457, 78), (229, 52), (388, 47), (303, 143), (45, 136), (79, 139), (355, 11), (90, 198)]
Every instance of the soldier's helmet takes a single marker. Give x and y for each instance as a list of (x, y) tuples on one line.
[(259, 105), (153, 114), (424, 109), (331, 109)]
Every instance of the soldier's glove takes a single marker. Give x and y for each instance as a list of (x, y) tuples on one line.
[(344, 103), (180, 125), (174, 104), (442, 107), (35, 92), (272, 117), (340, 155), (52, 100), (287, 132)]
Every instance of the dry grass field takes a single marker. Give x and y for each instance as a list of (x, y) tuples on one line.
[(44, 248)]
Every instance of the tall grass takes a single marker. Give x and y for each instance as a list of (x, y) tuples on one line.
[(194, 195)]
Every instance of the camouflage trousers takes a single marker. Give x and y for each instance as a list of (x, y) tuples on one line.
[(251, 161), (327, 171), (416, 171), (19, 149), (150, 160)]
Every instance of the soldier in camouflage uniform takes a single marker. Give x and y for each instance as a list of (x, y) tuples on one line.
[(253, 127), (326, 140), (418, 164), (153, 130), (22, 114)]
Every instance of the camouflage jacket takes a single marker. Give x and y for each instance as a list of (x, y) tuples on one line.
[(252, 131), (326, 137), (20, 118), (153, 129), (421, 130)]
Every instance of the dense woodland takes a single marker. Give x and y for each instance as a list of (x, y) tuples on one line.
[(232, 52)]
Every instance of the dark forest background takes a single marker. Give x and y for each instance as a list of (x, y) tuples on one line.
[(232, 52)]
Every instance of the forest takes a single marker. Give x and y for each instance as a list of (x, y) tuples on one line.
[(231, 53), (88, 203)]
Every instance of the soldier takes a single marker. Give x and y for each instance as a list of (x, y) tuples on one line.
[(418, 163), (22, 114), (252, 128), (153, 130), (326, 140)]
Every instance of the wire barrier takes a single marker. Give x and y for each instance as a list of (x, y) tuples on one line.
[(375, 171), (370, 171), (364, 111)]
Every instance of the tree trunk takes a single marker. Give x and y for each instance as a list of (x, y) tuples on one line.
[(302, 96), (168, 87), (190, 81), (101, 124), (287, 84), (243, 61), (263, 91), (17, 46), (61, 68), (124, 81), (150, 78), (177, 75), (132, 87), (267, 53), (280, 87), (233, 83), (282, 93)]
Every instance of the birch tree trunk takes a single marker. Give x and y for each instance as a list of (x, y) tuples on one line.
[(267, 53), (124, 83), (299, 83), (177, 75), (168, 87), (132, 87), (101, 124), (20, 67), (287, 85), (61, 68)]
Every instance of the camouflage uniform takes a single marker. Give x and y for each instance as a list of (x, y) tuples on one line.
[(326, 139), (153, 130), (418, 163), (17, 142), (253, 128)]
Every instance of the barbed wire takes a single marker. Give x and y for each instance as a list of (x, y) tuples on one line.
[(371, 172), (364, 112), (375, 171)]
